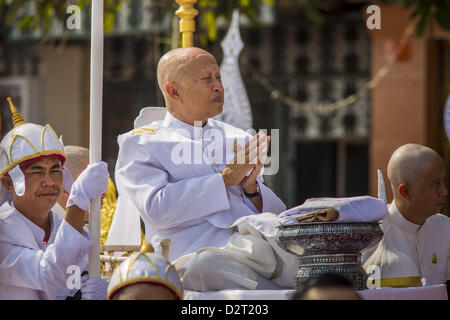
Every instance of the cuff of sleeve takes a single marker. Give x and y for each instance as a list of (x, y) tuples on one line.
[(77, 199), (221, 197)]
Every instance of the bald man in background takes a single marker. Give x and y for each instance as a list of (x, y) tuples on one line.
[(415, 249), (77, 160)]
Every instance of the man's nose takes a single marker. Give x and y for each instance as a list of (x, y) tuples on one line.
[(48, 180), (445, 190), (217, 86)]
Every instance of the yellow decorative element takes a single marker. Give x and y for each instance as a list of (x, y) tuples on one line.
[(187, 14), (155, 268), (169, 267), (16, 116), (119, 274), (17, 137), (3, 152), (54, 133), (402, 282), (125, 283), (109, 204), (144, 130), (434, 258), (146, 247), (132, 259), (235, 146), (32, 156)]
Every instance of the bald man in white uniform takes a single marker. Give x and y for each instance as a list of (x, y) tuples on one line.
[(415, 249), (191, 201)]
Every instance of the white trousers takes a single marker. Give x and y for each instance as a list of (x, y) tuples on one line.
[(250, 260)]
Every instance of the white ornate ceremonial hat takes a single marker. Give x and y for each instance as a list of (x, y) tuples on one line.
[(145, 267), (24, 143)]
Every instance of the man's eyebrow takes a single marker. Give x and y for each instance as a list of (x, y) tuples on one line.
[(38, 167)]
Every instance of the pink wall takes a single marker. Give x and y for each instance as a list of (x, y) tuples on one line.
[(398, 102)]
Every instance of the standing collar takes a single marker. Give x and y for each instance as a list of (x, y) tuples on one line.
[(187, 130), (38, 232), (400, 221)]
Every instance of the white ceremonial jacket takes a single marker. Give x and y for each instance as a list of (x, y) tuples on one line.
[(421, 250), (169, 173), (26, 271)]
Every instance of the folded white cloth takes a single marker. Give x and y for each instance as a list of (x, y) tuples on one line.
[(434, 292), (354, 209)]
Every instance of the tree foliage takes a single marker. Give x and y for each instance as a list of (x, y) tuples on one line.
[(11, 12), (427, 12), (42, 12)]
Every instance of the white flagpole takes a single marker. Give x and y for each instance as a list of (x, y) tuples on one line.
[(95, 132)]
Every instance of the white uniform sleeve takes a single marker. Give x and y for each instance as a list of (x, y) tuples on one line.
[(44, 270), (166, 204), (447, 273), (271, 203)]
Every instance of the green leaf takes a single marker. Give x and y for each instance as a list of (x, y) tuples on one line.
[(420, 27), (13, 11), (313, 14), (25, 22), (443, 15), (318, 4), (81, 4), (210, 22), (206, 3), (48, 12), (244, 3), (407, 3), (109, 19), (250, 13)]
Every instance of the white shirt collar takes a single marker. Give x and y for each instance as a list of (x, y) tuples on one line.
[(400, 221), (187, 130)]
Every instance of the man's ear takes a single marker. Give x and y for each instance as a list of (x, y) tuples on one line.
[(404, 192), (172, 90), (7, 183)]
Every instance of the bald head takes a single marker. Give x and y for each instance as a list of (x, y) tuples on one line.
[(407, 163), (172, 65), (77, 159), (190, 81)]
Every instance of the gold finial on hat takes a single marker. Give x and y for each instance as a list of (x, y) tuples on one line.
[(16, 116)]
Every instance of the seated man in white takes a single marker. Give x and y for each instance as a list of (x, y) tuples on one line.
[(415, 249), (36, 246), (176, 173)]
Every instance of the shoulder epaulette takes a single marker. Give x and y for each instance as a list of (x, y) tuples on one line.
[(143, 130)]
